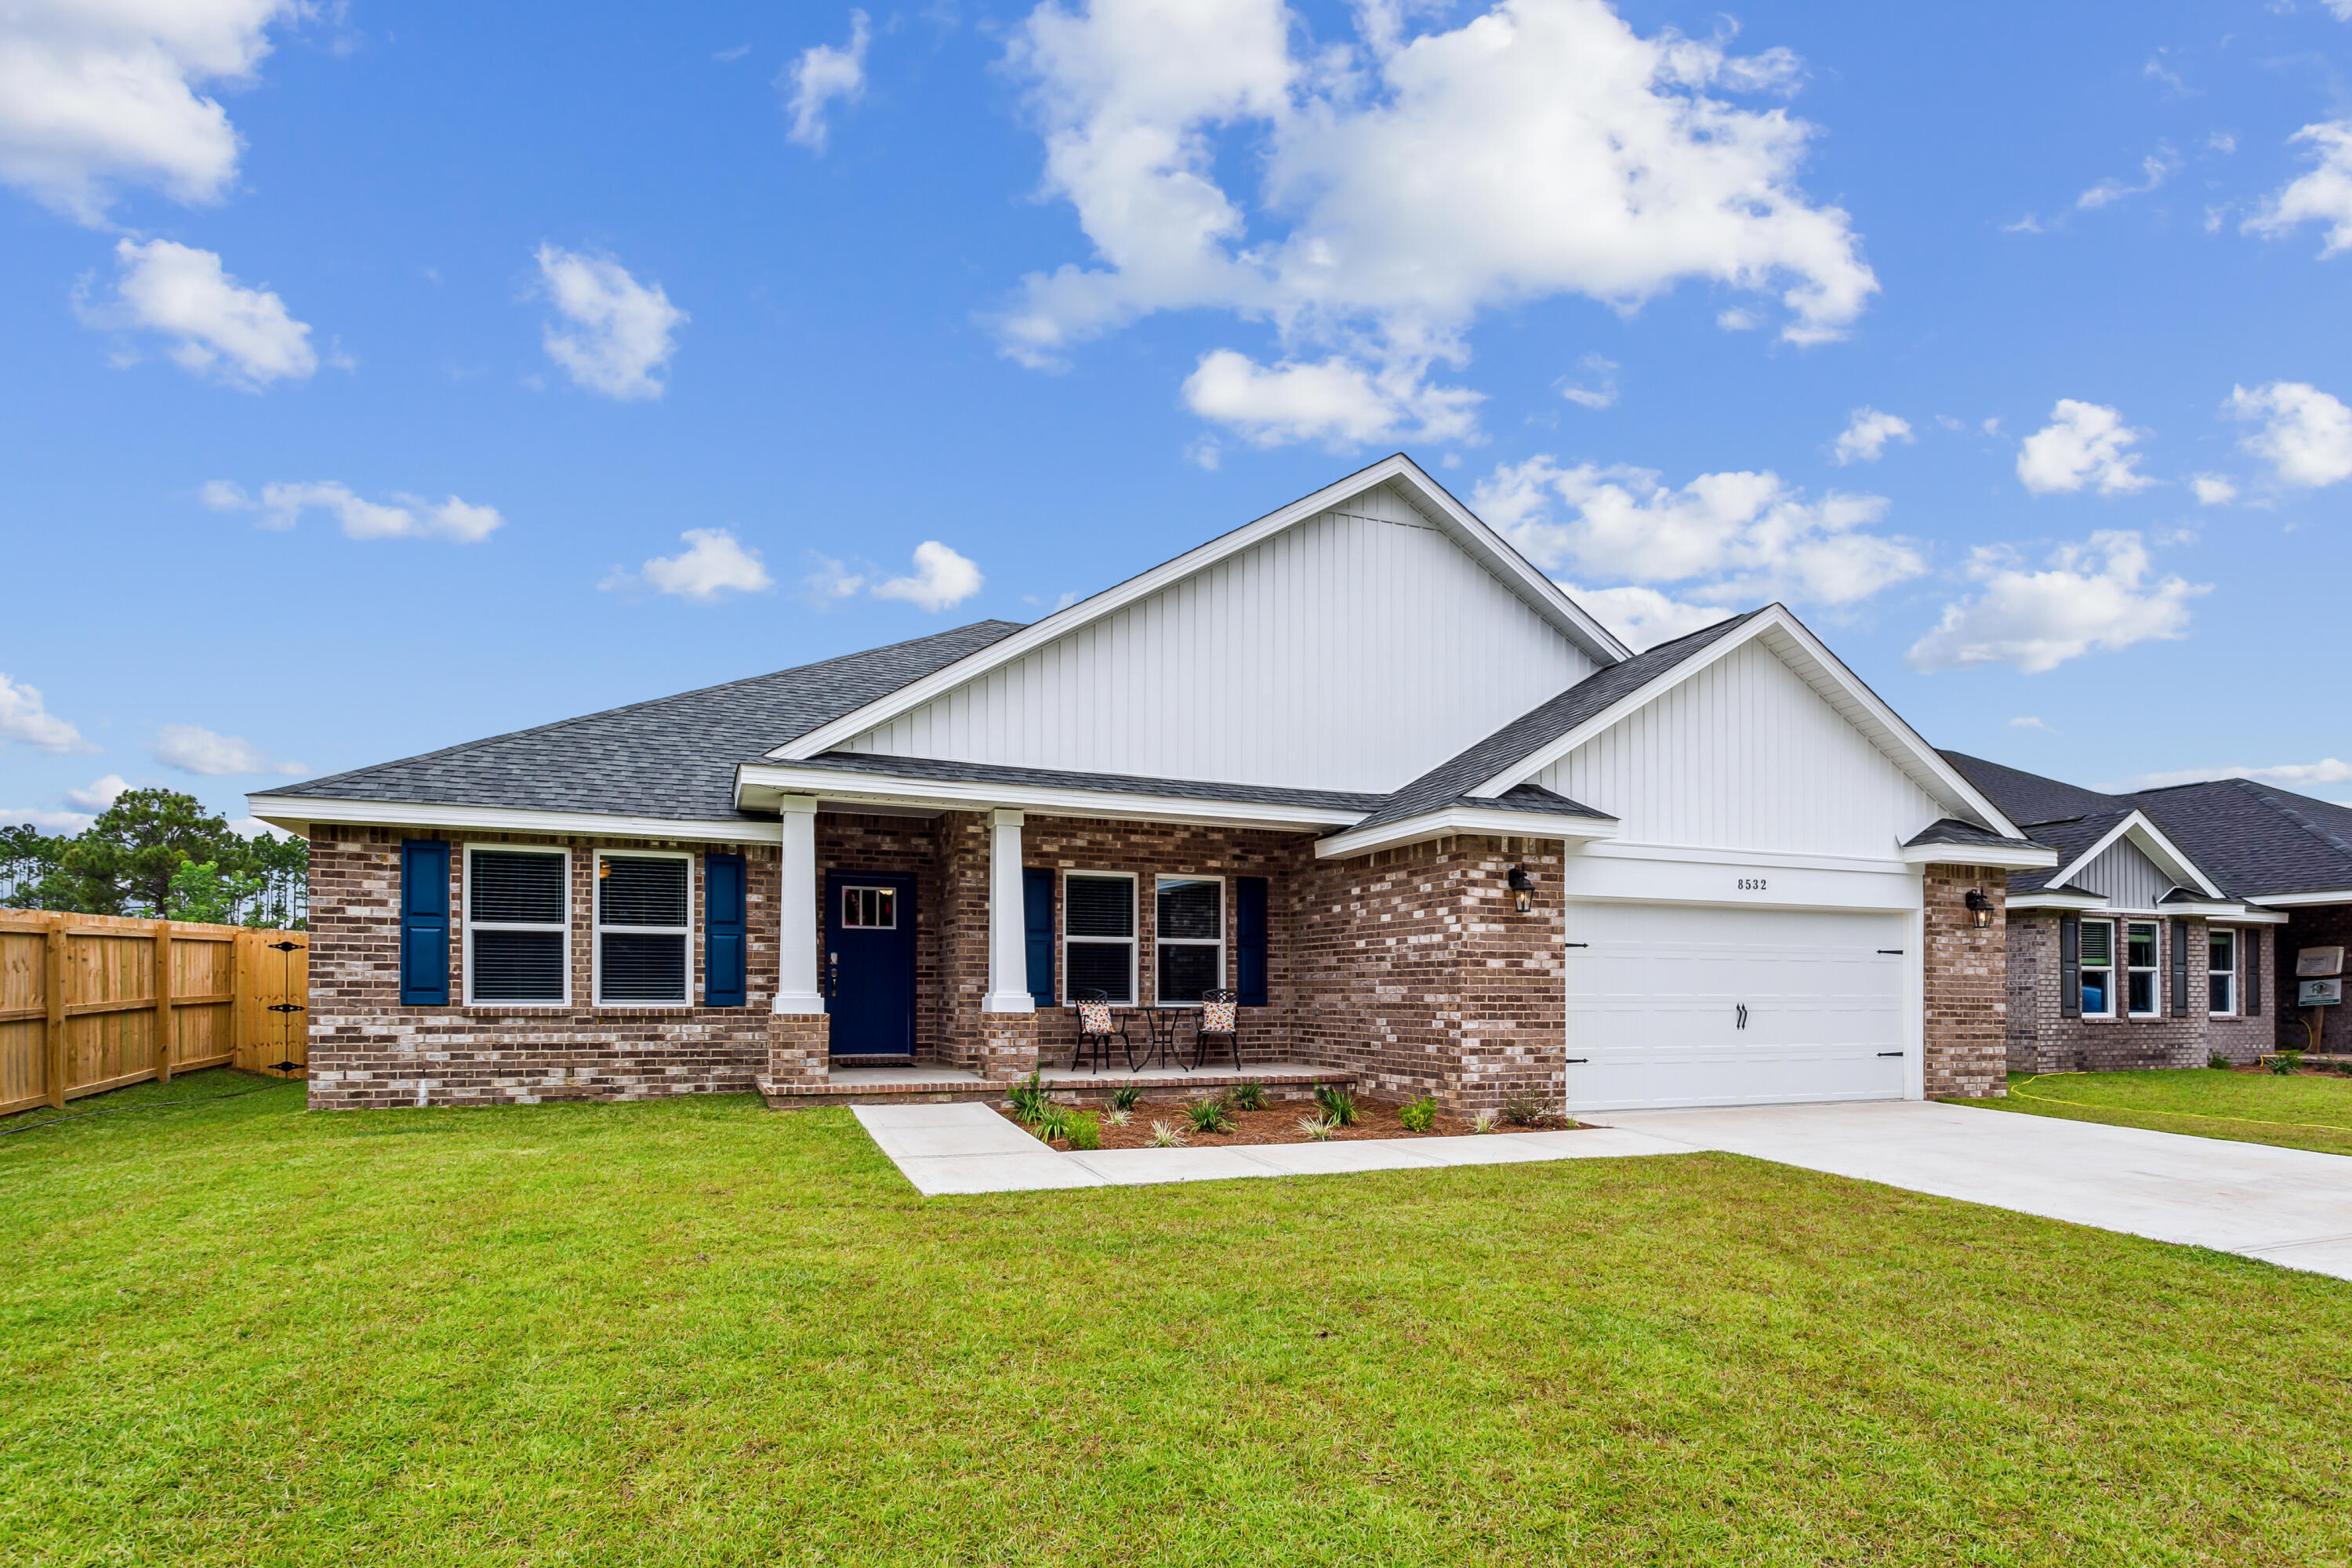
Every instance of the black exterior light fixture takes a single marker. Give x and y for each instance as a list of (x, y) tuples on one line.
[(1980, 907), (1523, 888)]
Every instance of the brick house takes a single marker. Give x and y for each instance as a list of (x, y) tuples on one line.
[(1357, 763), (2173, 928)]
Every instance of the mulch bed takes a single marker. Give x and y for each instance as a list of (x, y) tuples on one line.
[(1278, 1123)]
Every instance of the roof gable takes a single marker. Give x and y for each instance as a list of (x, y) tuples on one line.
[(2256, 840), (2150, 842)]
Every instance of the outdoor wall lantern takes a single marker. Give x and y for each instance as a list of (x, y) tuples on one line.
[(1523, 888), (1980, 907)]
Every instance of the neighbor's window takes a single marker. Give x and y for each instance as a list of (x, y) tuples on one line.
[(643, 929), (2221, 972), (2098, 969), (518, 924), (1098, 936), (2139, 968), (1190, 935)]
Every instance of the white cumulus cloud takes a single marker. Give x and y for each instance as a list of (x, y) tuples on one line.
[(98, 94), (60, 822), (940, 578), (820, 77), (2153, 170), (100, 794), (1407, 183), (1866, 435), (714, 564), (2213, 489), (2306, 435), (2094, 595), (217, 327), (1336, 401), (195, 750), (403, 517), (2321, 194), (615, 331), (2083, 444), (26, 719), (2287, 775), (1643, 617), (1603, 391)]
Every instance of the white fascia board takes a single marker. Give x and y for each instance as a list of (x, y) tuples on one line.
[(848, 791), (2229, 914), (2056, 901), (296, 813), (2298, 901), (2005, 859), (1483, 542), (2150, 841), (1456, 819)]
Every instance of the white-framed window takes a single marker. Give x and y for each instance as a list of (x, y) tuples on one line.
[(2142, 996), (1188, 937), (870, 908), (645, 928), (1098, 936), (2098, 969), (518, 924), (2221, 971)]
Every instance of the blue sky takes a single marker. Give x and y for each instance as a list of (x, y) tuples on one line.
[(385, 378)]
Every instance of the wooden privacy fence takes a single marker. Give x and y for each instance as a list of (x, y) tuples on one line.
[(94, 1002)]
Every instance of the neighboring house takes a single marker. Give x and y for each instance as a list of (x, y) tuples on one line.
[(1358, 762), (2171, 930)]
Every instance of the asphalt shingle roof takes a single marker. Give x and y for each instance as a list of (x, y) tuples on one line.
[(1112, 784), (1968, 835)]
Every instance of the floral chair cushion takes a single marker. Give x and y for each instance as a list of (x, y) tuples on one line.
[(1217, 1018), (1094, 1017)]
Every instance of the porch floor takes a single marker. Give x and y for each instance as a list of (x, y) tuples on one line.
[(919, 1084)]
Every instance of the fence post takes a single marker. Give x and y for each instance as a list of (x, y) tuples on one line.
[(239, 972), (163, 1001), (54, 987)]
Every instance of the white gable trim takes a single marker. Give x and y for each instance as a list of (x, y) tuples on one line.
[(1489, 821), (2150, 841), (1481, 542), (1818, 668), (2006, 857), (2297, 901)]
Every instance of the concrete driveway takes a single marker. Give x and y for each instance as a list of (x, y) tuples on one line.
[(2288, 1206)]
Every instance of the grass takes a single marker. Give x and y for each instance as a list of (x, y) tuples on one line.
[(2302, 1110), (699, 1331)]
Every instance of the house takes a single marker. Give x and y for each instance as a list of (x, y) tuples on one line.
[(2171, 930), (1358, 762)]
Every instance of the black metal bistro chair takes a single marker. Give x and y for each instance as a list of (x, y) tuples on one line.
[(1219, 1020), (1098, 1028)]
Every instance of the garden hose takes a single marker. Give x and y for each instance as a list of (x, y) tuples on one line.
[(2019, 1090)]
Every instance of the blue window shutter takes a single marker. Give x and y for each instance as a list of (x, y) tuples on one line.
[(724, 969), (1037, 923), (424, 923), (1249, 940)]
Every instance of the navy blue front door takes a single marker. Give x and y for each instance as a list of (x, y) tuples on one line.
[(869, 953)]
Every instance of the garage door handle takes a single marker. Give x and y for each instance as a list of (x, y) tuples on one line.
[(1578, 1061), (1580, 945), (1743, 1016), (1890, 952), (1890, 1053)]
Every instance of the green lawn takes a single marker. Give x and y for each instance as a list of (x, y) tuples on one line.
[(700, 1331), (2302, 1110)]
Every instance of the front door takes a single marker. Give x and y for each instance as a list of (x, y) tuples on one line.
[(869, 960)]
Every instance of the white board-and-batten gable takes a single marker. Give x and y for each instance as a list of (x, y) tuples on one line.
[(1352, 647), (2127, 875)]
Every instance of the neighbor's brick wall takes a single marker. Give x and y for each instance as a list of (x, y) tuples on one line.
[(2041, 1040), (1966, 979), (366, 1049)]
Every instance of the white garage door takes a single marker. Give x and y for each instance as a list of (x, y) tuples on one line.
[(1687, 1004)]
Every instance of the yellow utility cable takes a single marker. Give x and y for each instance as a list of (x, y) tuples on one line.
[(2017, 1089)]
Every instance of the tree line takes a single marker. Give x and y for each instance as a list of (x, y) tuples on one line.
[(157, 852)]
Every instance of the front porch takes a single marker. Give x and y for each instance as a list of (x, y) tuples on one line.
[(918, 1085)]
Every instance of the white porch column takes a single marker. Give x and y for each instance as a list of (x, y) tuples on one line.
[(1008, 938), (796, 987)]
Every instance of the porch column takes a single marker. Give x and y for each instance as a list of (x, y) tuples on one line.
[(1008, 937), (796, 987)]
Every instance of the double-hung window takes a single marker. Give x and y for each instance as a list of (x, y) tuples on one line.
[(1098, 936), (518, 924), (1190, 938), (644, 900), (2222, 971), (2139, 968), (2098, 969)]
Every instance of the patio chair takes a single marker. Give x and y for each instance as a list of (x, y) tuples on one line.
[(1219, 1020), (1098, 1028)]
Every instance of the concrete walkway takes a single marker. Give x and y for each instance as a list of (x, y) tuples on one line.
[(2289, 1206)]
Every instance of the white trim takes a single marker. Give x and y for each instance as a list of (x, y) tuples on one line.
[(1161, 880), (466, 911), (1482, 543), (2225, 913), (597, 927), (2054, 900), (2112, 968), (1455, 819), (1903, 745), (2007, 859), (845, 791), (1008, 930), (2297, 901), (800, 913), (295, 813), (1915, 1012), (2237, 942), (1134, 938), (2149, 840), (2154, 970)]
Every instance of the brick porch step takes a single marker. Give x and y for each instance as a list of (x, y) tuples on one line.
[(921, 1085)]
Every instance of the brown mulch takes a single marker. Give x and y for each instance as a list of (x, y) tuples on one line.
[(1278, 1123)]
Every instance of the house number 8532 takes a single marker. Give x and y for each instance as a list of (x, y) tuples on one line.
[(1751, 884)]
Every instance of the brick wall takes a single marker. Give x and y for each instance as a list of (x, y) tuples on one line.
[(901, 844), (367, 1049), (1965, 1032), (2041, 1040), (2320, 925)]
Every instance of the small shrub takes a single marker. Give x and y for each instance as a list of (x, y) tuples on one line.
[(2216, 1059), (1319, 1128), (1525, 1109), (1125, 1096), (1339, 1105), (1250, 1096), (2283, 1063), (1028, 1098), (1117, 1117), (1085, 1132), (1166, 1136), (1209, 1115), (1484, 1120), (1054, 1121), (1420, 1116)]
